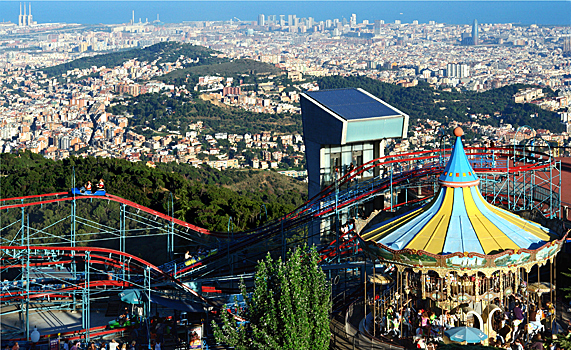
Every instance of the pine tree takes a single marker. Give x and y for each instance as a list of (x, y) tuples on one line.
[(288, 309)]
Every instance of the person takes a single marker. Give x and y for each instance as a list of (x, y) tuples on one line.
[(113, 345), (87, 187), (187, 255), (91, 346), (518, 319), (133, 345), (517, 345), (65, 345), (351, 168), (16, 346), (101, 185), (537, 343)]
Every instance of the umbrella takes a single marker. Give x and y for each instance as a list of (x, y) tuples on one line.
[(131, 296), (540, 287), (465, 334)]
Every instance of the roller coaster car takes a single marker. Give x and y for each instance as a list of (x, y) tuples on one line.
[(115, 324), (88, 193)]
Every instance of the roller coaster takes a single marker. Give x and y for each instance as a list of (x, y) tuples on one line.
[(46, 269)]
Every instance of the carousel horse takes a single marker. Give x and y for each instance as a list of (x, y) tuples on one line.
[(534, 328)]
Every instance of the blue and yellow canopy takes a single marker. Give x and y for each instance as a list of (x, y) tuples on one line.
[(459, 219)]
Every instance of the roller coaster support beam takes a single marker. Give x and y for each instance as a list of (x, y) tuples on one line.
[(22, 227), (27, 280), (122, 230), (86, 299), (147, 285), (337, 227), (170, 236), (72, 243), (391, 191)]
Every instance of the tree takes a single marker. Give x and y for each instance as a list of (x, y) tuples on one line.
[(288, 309)]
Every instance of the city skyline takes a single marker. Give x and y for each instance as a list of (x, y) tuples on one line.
[(457, 12)]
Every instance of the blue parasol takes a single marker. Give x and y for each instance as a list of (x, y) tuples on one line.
[(465, 334)]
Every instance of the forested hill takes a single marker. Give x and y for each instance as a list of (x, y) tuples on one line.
[(155, 110), (202, 196), (423, 102), (165, 52)]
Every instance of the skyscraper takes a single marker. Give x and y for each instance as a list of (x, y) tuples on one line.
[(261, 20), (567, 44), (475, 38)]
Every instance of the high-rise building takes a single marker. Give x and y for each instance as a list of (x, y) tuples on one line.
[(353, 20), (282, 20), (377, 27), (290, 20), (454, 70), (261, 20), (567, 44), (475, 39)]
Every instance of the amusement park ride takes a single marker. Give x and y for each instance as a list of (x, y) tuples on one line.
[(437, 254)]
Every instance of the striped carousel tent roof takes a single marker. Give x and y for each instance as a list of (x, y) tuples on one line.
[(459, 219)]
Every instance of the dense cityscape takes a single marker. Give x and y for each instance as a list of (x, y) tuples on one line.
[(66, 113)]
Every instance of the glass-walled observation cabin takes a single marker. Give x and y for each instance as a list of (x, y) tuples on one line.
[(337, 160), (343, 127)]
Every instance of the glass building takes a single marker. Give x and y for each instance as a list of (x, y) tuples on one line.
[(344, 127)]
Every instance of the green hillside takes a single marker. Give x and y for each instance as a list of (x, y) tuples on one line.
[(164, 52), (424, 102), (202, 196), (176, 113), (244, 69)]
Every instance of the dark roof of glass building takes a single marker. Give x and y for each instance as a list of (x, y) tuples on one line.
[(352, 104)]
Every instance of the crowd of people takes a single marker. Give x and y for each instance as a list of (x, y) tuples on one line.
[(513, 326), (100, 345)]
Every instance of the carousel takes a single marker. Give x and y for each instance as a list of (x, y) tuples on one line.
[(461, 255)]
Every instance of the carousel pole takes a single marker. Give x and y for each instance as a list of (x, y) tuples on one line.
[(401, 299), (555, 284), (551, 282), (538, 286), (374, 300), (526, 297), (365, 289)]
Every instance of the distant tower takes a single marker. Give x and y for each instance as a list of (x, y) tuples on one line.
[(24, 17), (475, 38), (30, 20), (261, 19), (133, 20), (20, 17), (567, 44)]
